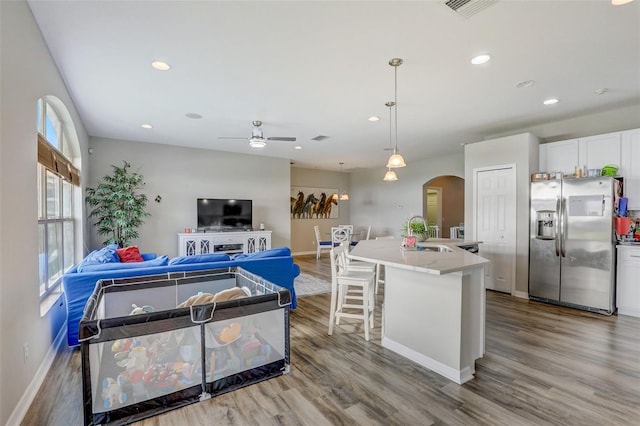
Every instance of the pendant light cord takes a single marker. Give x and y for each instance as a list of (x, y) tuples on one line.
[(395, 69)]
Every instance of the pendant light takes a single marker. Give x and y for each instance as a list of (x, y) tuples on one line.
[(391, 175), (396, 159), (341, 195)]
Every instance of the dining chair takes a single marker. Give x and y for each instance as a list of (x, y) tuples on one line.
[(352, 293), (433, 231), (339, 235), (368, 234), (321, 244)]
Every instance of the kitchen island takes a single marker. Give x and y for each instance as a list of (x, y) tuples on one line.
[(434, 303)]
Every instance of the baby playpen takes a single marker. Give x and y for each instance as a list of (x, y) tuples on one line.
[(147, 348)]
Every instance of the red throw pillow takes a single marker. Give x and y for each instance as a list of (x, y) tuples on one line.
[(129, 254)]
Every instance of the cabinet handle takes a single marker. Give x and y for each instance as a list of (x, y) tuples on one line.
[(633, 255)]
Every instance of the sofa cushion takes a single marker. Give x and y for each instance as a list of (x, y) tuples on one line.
[(274, 252), (129, 254), (158, 261), (104, 255), (199, 258)]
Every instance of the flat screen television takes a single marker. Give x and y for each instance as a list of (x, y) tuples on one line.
[(217, 215)]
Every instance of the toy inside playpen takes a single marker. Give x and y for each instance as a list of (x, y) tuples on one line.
[(152, 344)]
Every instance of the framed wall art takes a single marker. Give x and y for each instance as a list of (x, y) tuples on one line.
[(314, 203)]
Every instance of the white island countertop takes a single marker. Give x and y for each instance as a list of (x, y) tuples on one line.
[(437, 256)]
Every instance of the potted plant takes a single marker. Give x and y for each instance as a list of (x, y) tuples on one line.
[(418, 228), (118, 208)]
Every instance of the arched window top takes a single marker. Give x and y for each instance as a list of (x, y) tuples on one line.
[(55, 125), (58, 145)]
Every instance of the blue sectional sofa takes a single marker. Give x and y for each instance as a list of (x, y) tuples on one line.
[(275, 265)]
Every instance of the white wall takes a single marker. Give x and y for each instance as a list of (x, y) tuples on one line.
[(28, 73), (386, 206), (181, 175), (521, 150)]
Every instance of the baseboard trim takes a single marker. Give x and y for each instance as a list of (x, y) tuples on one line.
[(30, 393), (458, 376), (521, 294), (300, 253)]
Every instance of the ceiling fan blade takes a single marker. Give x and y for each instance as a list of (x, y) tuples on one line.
[(286, 139)]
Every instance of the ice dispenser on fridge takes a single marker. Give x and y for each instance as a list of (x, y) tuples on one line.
[(545, 229)]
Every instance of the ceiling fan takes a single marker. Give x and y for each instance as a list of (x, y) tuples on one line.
[(257, 139)]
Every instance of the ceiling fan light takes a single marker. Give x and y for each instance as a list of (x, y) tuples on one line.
[(396, 161), (390, 176), (344, 197), (257, 143)]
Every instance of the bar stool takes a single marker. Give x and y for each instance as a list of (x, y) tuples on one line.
[(350, 290)]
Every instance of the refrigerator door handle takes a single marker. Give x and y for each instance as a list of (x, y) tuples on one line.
[(557, 226), (563, 231)]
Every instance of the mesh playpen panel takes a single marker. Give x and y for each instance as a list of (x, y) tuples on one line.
[(137, 366)]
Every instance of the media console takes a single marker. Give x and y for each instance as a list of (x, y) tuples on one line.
[(190, 244)]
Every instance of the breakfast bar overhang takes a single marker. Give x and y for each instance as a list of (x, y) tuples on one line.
[(434, 303)]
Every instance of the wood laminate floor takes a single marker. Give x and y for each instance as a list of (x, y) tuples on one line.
[(544, 365)]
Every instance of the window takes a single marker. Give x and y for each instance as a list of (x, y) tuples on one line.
[(58, 181)]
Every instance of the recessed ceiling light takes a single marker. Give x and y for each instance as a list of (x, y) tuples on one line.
[(524, 83), (480, 59), (297, 147), (373, 118), (193, 115), (601, 91), (620, 2), (147, 126), (550, 101), (160, 65)]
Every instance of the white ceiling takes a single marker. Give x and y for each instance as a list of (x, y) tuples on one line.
[(321, 68)]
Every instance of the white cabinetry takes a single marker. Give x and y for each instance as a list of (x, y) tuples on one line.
[(627, 283), (560, 156), (223, 242), (630, 167), (599, 151), (595, 152)]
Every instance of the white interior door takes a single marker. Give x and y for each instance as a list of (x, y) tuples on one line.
[(496, 225)]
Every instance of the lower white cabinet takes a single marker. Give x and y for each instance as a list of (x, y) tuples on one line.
[(627, 282), (190, 244)]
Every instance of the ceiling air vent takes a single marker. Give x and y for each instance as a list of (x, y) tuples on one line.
[(320, 138), (468, 8)]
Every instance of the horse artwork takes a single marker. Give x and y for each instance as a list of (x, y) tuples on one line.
[(313, 203), (326, 209), (296, 205), (308, 206)]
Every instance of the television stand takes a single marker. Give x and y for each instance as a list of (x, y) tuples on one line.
[(230, 242)]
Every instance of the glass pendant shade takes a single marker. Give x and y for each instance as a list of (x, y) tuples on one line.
[(396, 161), (341, 195), (390, 176)]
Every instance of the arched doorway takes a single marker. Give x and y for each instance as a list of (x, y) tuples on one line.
[(443, 203)]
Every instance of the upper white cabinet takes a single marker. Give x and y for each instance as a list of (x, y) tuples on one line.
[(560, 156), (595, 152), (619, 148), (630, 166), (599, 151)]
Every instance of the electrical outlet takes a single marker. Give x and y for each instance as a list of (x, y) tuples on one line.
[(26, 351)]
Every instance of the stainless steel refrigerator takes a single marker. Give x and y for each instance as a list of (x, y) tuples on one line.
[(572, 243)]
